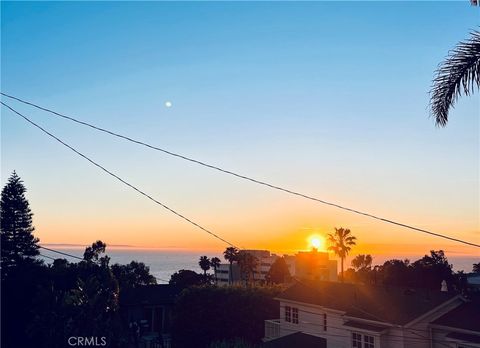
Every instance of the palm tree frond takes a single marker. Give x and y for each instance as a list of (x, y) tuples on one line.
[(458, 74)]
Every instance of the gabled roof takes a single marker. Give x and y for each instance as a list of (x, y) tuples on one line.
[(382, 304), (464, 337), (162, 294), (465, 317), (297, 339)]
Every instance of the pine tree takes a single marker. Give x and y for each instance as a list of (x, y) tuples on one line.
[(17, 240)]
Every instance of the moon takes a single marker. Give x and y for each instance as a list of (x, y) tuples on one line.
[(168, 104)]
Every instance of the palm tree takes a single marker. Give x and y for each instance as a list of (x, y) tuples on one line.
[(341, 243), (230, 254), (215, 263), (248, 264), (204, 264), (460, 72)]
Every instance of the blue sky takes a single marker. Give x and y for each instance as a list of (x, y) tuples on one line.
[(326, 98)]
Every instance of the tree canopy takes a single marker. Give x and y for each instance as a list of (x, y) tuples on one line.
[(17, 239)]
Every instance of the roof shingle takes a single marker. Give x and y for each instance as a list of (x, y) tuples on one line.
[(384, 304)]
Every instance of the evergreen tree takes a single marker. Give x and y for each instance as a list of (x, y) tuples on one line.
[(17, 240)]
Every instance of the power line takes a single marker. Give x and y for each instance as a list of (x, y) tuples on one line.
[(47, 257), (77, 257), (118, 178), (60, 252), (244, 177)]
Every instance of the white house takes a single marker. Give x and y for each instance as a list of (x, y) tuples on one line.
[(359, 316)]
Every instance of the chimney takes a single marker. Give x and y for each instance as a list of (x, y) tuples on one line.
[(444, 286)]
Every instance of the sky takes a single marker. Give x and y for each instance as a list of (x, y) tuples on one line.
[(326, 98)]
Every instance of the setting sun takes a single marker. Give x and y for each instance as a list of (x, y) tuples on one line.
[(317, 242)]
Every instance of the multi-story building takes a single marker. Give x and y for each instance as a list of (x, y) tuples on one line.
[(304, 265), (315, 265)]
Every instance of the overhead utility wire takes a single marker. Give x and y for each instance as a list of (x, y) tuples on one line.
[(76, 257), (62, 253), (119, 178), (47, 257), (275, 187)]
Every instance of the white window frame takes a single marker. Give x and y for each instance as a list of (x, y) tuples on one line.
[(295, 315), (370, 343), (357, 341), (362, 340)]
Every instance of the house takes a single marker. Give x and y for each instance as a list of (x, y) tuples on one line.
[(306, 265), (361, 316), (461, 326), (148, 310)]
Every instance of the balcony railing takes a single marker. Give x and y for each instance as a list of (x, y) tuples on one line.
[(272, 329)]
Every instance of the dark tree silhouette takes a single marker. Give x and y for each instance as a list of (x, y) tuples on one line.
[(204, 264), (92, 253), (186, 278), (247, 263), (207, 314), (230, 254), (215, 263), (476, 268), (459, 73), (278, 272), (432, 269), (341, 243), (362, 262), (17, 240), (133, 275)]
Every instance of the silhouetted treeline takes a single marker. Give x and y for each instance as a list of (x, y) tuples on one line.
[(427, 272)]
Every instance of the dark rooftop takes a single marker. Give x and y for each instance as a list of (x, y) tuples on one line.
[(465, 317), (149, 294), (464, 337), (297, 339), (386, 304)]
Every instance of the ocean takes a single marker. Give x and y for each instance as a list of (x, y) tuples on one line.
[(163, 263)]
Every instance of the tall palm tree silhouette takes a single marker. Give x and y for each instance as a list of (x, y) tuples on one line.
[(458, 74), (230, 254), (204, 264), (215, 262), (341, 243)]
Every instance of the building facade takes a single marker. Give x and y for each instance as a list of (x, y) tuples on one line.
[(311, 265)]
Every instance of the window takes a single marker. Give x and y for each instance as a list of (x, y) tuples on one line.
[(288, 314), (368, 341), (324, 321), (295, 315), (356, 340), (362, 341)]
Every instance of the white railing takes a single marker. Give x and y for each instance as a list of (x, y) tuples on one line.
[(272, 329)]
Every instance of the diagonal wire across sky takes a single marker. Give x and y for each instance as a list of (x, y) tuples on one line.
[(217, 168)]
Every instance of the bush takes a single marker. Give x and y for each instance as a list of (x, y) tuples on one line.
[(204, 315)]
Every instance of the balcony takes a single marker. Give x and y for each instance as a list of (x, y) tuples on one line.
[(272, 329)]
